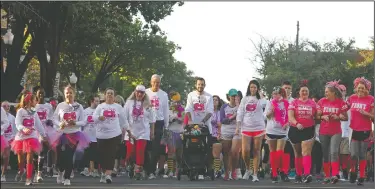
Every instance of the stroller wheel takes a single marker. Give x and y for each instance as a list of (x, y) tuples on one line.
[(179, 172), (191, 176), (212, 175)]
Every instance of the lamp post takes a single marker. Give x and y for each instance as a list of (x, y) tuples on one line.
[(73, 80), (8, 40)]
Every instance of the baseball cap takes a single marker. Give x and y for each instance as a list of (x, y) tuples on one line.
[(140, 88), (233, 92)]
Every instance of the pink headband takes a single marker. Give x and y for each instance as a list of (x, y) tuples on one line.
[(366, 82), (336, 85), (27, 97)]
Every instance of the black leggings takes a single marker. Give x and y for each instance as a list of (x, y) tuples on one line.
[(65, 155), (107, 149), (317, 157), (157, 148), (91, 154)]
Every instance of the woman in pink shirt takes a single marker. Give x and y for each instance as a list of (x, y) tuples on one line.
[(301, 114), (361, 113), (331, 110)]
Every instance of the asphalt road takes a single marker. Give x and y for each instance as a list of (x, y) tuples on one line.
[(81, 182)]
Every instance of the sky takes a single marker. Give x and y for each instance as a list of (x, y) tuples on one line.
[(215, 36)]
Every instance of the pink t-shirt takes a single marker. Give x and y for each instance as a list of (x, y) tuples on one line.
[(304, 112), (359, 122), (328, 107)]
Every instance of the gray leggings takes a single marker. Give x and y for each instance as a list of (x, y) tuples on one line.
[(358, 150), (330, 147)]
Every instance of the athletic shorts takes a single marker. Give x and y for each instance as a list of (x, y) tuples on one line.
[(360, 135), (275, 137), (296, 136)]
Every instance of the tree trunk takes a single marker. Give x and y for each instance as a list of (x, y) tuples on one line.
[(11, 78)]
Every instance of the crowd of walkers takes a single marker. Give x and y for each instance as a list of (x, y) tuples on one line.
[(249, 135)]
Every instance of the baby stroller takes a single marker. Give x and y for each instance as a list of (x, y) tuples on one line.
[(195, 152)]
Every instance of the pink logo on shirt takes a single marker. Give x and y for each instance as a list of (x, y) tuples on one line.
[(28, 122), (70, 116), (251, 107), (198, 107), (42, 115), (229, 115), (109, 113), (8, 130), (155, 102), (137, 112), (89, 119)]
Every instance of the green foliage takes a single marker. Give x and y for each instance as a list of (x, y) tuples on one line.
[(318, 63)]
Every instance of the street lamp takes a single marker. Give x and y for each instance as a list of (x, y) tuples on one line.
[(48, 57), (73, 79), (8, 37)]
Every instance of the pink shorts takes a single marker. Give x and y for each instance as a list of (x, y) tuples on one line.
[(253, 133)]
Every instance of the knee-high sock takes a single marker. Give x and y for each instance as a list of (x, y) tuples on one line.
[(29, 170), (327, 169), (286, 163), (335, 166), (273, 158), (217, 164), (298, 165), (307, 165), (362, 168)]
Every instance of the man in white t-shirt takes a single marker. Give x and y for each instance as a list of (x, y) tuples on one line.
[(160, 104), (199, 109)]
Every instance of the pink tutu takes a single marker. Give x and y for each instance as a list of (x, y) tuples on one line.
[(79, 138), (4, 143), (26, 146)]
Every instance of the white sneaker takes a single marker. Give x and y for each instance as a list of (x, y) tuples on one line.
[(95, 174), (102, 178), (255, 178), (19, 176), (59, 178), (3, 179), (85, 172), (28, 182), (72, 174), (200, 177), (238, 174), (247, 174), (38, 177), (67, 182), (169, 175), (152, 176), (108, 179), (230, 175)]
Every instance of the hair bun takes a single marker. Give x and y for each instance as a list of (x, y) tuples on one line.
[(304, 83)]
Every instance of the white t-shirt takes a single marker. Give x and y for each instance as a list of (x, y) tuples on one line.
[(173, 124), (160, 104), (346, 130), (140, 119), (250, 114), (25, 119), (199, 106), (115, 120), (90, 127), (45, 112), (11, 130), (4, 120), (226, 112), (64, 112), (273, 127)]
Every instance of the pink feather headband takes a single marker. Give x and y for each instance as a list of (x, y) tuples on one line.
[(336, 85), (363, 80)]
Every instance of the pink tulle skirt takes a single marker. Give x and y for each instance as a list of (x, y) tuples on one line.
[(80, 139), (4, 143), (30, 145)]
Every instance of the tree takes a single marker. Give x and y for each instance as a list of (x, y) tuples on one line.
[(315, 62)]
